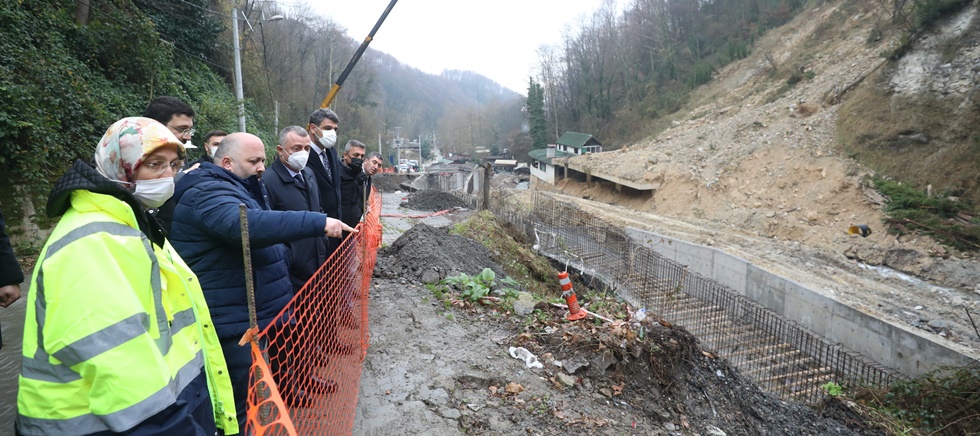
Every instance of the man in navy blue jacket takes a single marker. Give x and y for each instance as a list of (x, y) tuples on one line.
[(206, 233)]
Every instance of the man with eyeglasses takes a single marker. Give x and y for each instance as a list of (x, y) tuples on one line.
[(178, 116), (175, 114), (326, 165)]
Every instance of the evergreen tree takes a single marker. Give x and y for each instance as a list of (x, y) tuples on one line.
[(537, 123)]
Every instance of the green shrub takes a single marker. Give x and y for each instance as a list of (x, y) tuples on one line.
[(939, 216), (941, 402), (62, 84)]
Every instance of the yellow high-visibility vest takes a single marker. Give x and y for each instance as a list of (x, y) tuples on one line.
[(116, 327)]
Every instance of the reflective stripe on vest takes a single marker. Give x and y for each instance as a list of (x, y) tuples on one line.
[(40, 366), (184, 318), (82, 350), (116, 421)]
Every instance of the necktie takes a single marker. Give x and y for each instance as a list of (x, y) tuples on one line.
[(299, 179), (326, 163)]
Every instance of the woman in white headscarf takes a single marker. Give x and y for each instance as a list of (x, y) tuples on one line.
[(117, 335)]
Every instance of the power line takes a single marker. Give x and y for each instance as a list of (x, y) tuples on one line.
[(205, 9), (172, 13), (199, 57)]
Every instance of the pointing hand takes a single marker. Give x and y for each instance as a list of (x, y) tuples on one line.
[(335, 228)]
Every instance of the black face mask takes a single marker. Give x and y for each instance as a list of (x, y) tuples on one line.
[(355, 164)]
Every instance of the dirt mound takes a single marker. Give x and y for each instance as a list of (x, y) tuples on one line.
[(433, 200), (640, 377), (390, 182), (430, 254)]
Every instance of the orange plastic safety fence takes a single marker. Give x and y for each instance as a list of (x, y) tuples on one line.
[(306, 367)]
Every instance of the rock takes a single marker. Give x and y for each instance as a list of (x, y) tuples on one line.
[(451, 413), (658, 413), (669, 426), (713, 431), (499, 425), (573, 365), (606, 360), (549, 359), (606, 392), (524, 304), (565, 379), (919, 307), (430, 277), (938, 325)]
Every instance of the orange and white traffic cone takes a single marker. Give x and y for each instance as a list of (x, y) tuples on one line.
[(574, 312)]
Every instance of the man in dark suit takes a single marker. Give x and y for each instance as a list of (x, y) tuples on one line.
[(325, 164), (291, 186)]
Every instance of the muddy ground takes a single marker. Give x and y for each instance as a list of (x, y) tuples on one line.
[(440, 364)]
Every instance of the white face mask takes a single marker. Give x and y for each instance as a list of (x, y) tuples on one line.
[(298, 160), (211, 151), (154, 192), (329, 138)]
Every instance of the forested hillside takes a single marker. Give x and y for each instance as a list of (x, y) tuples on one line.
[(70, 68), (623, 69)]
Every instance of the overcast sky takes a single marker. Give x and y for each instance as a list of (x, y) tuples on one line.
[(498, 39)]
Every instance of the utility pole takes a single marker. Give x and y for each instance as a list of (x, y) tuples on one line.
[(398, 143), (239, 93)]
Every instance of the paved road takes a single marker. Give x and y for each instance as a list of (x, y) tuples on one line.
[(12, 324)]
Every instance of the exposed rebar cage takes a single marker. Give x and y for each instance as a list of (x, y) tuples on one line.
[(779, 355)]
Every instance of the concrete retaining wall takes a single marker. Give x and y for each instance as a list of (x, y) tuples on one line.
[(896, 346)]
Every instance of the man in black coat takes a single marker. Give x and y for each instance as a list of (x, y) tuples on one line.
[(352, 182), (325, 164), (10, 274), (291, 186), (178, 116)]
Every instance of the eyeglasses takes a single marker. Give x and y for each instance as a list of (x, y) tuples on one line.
[(160, 166), (181, 132)]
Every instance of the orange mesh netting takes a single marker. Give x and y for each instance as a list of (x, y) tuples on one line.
[(306, 365)]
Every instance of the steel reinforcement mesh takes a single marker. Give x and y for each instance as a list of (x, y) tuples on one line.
[(306, 365), (778, 354)]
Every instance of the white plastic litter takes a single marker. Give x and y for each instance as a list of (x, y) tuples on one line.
[(640, 315), (521, 353)]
